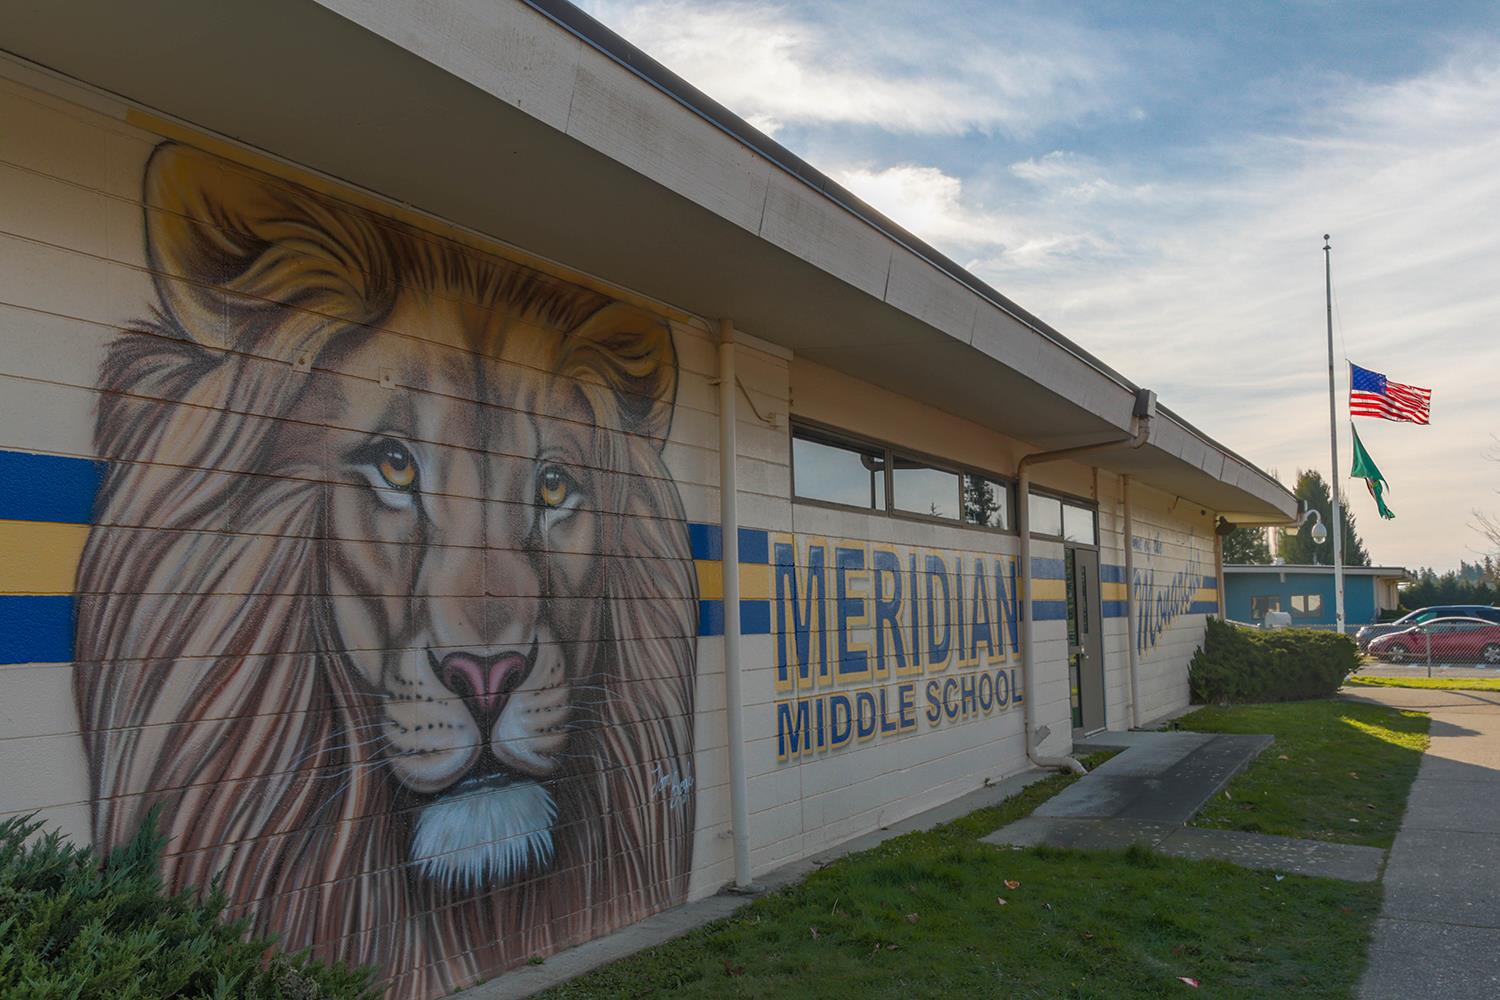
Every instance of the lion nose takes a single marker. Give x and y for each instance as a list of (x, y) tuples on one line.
[(483, 682)]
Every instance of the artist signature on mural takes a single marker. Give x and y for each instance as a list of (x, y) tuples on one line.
[(670, 785)]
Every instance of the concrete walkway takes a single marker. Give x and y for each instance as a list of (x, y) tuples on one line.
[(1147, 794), (1439, 930)]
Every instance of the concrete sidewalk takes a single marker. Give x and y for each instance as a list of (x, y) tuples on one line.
[(1439, 930), (1148, 794)]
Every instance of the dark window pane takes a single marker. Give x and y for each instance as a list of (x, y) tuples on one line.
[(986, 502), (1046, 515), (1078, 524), (838, 473), (1072, 595), (918, 488)]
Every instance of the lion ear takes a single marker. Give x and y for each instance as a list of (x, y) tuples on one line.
[(215, 227), (629, 351)]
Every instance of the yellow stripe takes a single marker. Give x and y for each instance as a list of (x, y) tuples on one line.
[(39, 557), (710, 579), (1049, 590), (755, 582), (1113, 592)]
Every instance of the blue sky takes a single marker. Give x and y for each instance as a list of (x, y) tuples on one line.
[(1154, 178)]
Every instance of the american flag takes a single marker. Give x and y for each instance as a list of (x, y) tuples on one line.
[(1371, 394)]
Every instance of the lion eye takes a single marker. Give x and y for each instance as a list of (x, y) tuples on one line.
[(553, 488), (396, 465)]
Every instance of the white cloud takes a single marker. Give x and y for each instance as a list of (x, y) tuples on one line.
[(1212, 290), (1207, 286), (888, 66)]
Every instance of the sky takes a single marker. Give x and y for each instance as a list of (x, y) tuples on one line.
[(1154, 179)]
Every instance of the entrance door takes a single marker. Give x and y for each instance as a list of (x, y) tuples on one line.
[(1085, 639)]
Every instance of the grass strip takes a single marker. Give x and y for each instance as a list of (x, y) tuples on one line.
[(921, 915), (1339, 770), (1436, 683)]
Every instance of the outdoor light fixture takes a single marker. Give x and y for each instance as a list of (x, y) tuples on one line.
[(1319, 533)]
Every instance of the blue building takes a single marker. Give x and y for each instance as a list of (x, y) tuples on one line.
[(1306, 592)]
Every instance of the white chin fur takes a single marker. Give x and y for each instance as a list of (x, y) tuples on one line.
[(485, 838)]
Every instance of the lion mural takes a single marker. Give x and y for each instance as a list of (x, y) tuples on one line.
[(389, 605)]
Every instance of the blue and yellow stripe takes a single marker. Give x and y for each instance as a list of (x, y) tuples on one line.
[(707, 542), (46, 505)]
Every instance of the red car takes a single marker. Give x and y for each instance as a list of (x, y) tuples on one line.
[(1469, 640)]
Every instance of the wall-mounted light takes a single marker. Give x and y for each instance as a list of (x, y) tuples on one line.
[(1319, 532)]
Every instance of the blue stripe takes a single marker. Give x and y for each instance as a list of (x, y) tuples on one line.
[(1046, 569), (710, 618), (755, 546), (1112, 609), (1203, 608), (755, 617), (1049, 611), (1110, 573), (48, 487), (704, 540), (36, 629), (1210, 583)]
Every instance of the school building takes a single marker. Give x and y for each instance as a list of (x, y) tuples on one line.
[(1307, 592), (482, 492)]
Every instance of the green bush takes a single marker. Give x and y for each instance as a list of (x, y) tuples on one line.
[(1237, 664), (71, 927)]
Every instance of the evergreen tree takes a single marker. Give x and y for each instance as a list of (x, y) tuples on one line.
[(1299, 549), (1247, 546), (982, 502)]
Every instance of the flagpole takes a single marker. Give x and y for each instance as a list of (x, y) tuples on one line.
[(1336, 529)]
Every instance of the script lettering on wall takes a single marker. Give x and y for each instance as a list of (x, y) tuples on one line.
[(1166, 587), (388, 606)]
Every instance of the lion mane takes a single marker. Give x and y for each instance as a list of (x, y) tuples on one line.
[(209, 684)]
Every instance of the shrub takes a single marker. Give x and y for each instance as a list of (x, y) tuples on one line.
[(71, 927), (1237, 664)]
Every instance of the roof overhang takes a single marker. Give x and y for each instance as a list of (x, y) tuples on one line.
[(536, 126), (1242, 569)]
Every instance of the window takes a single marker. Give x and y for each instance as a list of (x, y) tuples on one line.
[(1045, 515), (838, 472), (986, 502), (829, 468), (919, 488), (1261, 606), (1307, 605), (1078, 524)]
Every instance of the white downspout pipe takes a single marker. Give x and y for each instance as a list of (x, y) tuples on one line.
[(1130, 609), (729, 528), (1145, 410)]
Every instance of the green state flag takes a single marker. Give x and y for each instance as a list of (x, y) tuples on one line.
[(1364, 468)]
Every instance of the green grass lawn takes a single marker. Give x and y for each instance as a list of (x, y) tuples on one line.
[(1440, 683), (921, 916), (1338, 771)]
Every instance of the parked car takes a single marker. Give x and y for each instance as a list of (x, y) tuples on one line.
[(1417, 617), (1450, 640)]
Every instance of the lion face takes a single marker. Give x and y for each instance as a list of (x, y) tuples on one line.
[(389, 609), (467, 582)]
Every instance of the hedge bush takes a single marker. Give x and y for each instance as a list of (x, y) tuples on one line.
[(1237, 664), (71, 927)]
